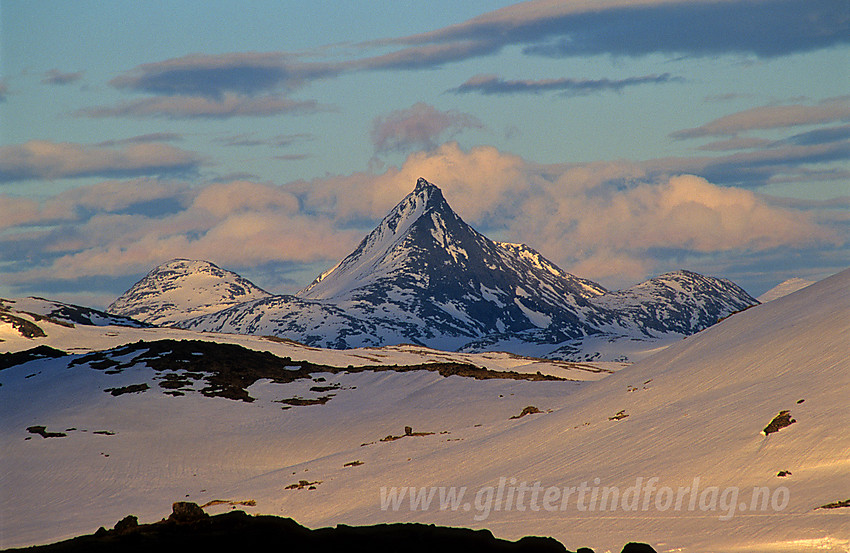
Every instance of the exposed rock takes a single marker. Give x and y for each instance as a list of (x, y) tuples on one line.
[(619, 416), (126, 524), (634, 547), (42, 431), (835, 505), (228, 370), (780, 421), (131, 389), (185, 512), (26, 328), (237, 531), (529, 410), (19, 357), (303, 484)]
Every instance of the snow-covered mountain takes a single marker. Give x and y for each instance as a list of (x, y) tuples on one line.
[(89, 437), (784, 288), (424, 276), (26, 316), (181, 289), (682, 301)]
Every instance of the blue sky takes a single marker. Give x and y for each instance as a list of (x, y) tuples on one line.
[(621, 139)]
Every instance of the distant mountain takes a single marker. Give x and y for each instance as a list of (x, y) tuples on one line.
[(681, 301), (38, 309), (784, 288), (424, 276), (181, 289)]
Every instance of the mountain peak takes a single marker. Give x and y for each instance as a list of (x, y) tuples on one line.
[(183, 288), (422, 184), (427, 192), (425, 200)]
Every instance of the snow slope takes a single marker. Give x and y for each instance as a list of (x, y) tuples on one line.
[(695, 410)]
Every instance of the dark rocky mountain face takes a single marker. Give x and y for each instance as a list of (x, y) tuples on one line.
[(425, 261), (424, 276)]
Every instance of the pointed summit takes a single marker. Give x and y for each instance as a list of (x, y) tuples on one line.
[(422, 184), (423, 263), (364, 261), (424, 276)]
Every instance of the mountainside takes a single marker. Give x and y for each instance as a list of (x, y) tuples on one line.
[(181, 289), (424, 276)]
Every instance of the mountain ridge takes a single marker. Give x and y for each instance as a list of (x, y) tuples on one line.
[(426, 277)]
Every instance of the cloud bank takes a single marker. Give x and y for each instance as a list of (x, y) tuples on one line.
[(250, 83), (772, 117), (617, 222), (41, 159)]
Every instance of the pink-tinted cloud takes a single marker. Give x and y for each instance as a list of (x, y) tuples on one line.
[(772, 117), (196, 107), (599, 219), (96, 230), (16, 211), (617, 222), (41, 159), (419, 126), (142, 139), (493, 84)]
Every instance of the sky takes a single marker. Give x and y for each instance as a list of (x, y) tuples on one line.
[(620, 138)]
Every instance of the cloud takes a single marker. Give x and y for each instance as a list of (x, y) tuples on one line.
[(257, 84), (492, 84), (419, 126), (41, 159), (617, 222), (198, 107), (772, 117), (15, 211), (142, 139), (103, 230), (56, 77), (279, 141), (631, 216), (293, 157), (735, 143), (215, 76), (819, 136), (636, 28), (759, 167)]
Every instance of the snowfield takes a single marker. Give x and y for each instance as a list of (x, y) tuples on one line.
[(691, 415)]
